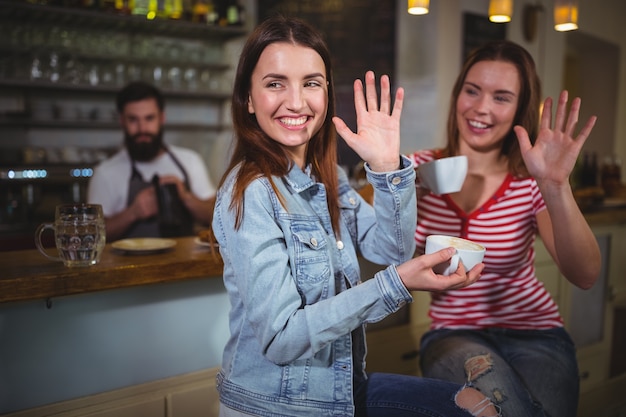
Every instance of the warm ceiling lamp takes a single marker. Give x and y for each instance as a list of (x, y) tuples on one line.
[(565, 15), (418, 6), (500, 11)]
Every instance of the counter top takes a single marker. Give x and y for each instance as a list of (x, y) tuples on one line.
[(28, 275), (605, 216)]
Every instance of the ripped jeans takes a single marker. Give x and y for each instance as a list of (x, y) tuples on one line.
[(394, 395), (525, 372)]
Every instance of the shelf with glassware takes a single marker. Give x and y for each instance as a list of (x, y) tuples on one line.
[(61, 105), (103, 125), (185, 73), (190, 70), (61, 68), (29, 13)]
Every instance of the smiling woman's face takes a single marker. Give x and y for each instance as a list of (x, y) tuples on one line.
[(487, 103), (289, 95)]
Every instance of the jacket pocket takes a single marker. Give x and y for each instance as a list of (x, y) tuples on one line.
[(311, 253)]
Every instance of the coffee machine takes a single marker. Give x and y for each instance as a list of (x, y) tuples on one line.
[(29, 195)]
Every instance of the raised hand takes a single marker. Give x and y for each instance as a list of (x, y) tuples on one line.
[(553, 156), (377, 140)]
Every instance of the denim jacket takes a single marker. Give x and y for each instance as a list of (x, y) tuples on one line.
[(297, 337)]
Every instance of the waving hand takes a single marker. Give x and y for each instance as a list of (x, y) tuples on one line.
[(377, 140), (556, 149)]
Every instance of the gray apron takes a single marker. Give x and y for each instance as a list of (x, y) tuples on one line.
[(154, 227)]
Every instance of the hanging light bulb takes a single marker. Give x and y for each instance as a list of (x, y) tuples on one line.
[(500, 11), (418, 6), (565, 15)]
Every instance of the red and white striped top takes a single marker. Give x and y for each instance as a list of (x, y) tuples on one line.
[(508, 294)]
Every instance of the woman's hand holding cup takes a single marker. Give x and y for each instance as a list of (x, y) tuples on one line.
[(418, 273), (466, 252)]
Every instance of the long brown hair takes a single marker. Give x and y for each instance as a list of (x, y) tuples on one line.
[(527, 114), (260, 155)]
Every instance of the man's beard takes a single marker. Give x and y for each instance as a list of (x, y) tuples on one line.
[(144, 151)]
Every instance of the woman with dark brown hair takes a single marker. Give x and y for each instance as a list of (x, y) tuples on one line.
[(289, 227)]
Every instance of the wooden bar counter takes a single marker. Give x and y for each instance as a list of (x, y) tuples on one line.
[(28, 275), (606, 216)]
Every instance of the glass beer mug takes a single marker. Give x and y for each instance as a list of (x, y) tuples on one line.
[(79, 234)]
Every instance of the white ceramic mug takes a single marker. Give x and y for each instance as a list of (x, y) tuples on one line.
[(444, 175), (468, 252), (79, 234)]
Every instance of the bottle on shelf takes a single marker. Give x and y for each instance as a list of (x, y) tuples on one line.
[(231, 13), (169, 9), (589, 170), (222, 16), (593, 181), (585, 170), (162, 8), (234, 13), (174, 9), (204, 11), (147, 8), (124, 7), (611, 175), (187, 10), (107, 5)]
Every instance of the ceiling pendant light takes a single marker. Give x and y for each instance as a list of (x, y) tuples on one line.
[(417, 7), (500, 11), (565, 15)]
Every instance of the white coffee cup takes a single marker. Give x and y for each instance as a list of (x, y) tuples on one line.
[(468, 252), (444, 175)]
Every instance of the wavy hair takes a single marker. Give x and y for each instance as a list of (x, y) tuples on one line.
[(527, 114), (260, 155)]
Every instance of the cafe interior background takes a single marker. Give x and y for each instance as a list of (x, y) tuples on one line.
[(60, 67)]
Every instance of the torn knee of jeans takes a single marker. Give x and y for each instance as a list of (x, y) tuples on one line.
[(477, 366), (498, 396), (474, 402)]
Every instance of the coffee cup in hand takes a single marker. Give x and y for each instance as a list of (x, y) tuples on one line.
[(468, 252), (444, 175)]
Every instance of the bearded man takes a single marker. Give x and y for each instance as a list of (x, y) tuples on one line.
[(147, 181)]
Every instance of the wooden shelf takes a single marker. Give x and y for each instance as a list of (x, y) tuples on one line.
[(97, 125), (56, 15), (108, 89)]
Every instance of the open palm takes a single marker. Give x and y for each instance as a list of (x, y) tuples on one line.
[(554, 153), (377, 140)]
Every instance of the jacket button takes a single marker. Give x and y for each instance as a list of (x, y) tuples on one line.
[(352, 201), (313, 241), (396, 180), (339, 245)]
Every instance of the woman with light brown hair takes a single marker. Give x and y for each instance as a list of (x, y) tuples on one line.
[(504, 335)]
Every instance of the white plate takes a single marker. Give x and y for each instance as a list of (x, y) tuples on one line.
[(144, 245), (201, 242)]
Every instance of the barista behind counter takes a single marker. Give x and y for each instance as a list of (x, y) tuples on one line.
[(148, 189)]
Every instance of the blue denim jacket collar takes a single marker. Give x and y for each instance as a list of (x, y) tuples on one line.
[(299, 180)]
